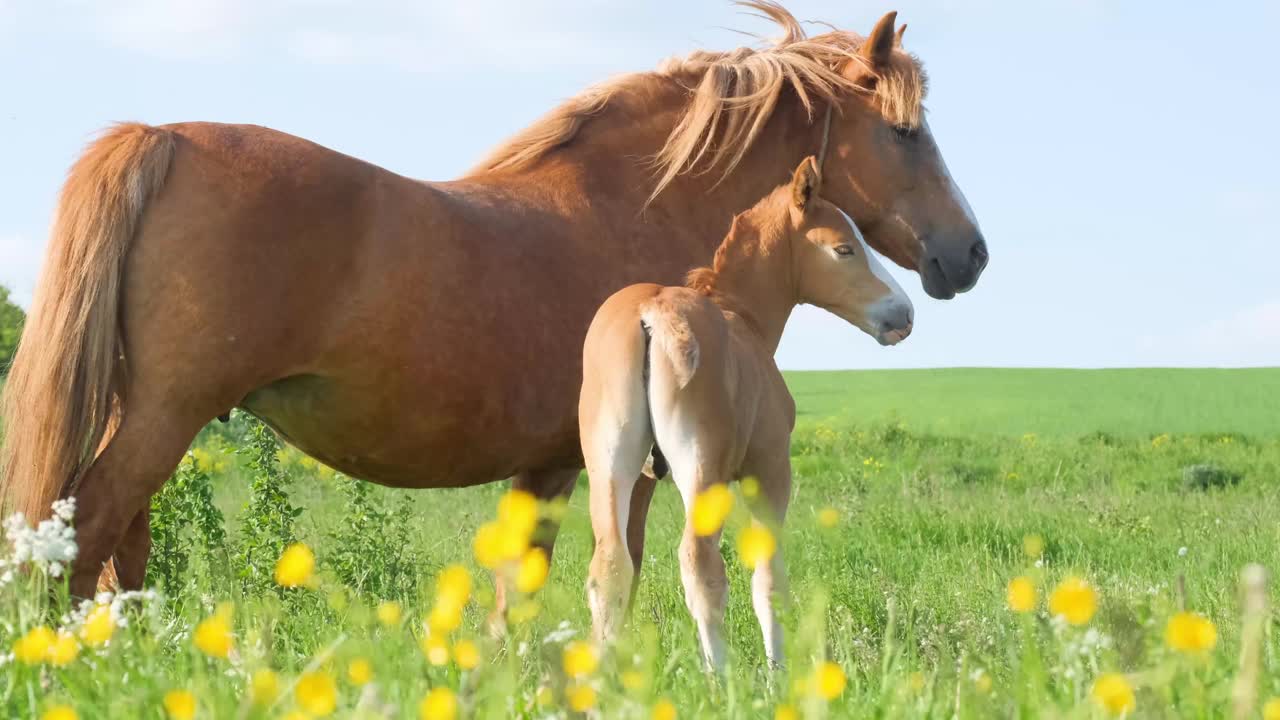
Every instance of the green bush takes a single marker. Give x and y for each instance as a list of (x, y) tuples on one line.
[(11, 319)]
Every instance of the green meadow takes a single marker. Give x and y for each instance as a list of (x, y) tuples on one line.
[(918, 497)]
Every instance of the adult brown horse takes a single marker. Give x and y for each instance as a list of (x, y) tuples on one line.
[(427, 334)]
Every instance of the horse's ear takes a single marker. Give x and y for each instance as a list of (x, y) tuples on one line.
[(879, 44), (805, 183), (897, 37)]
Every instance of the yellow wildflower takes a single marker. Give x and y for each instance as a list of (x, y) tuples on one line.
[(518, 512), (579, 659), (581, 698), (264, 687), (444, 618), (388, 613), (544, 697), (664, 709), (466, 654), (359, 672), (1190, 633), (180, 704), (60, 712), (1033, 546), (1022, 594), (33, 648), (785, 712), (487, 545), (828, 680), (316, 693), (98, 626), (453, 585), (212, 635), (439, 704), (1113, 693), (295, 566), (633, 680), (828, 517), (756, 545), (1271, 709), (533, 571), (982, 682), (1075, 600), (710, 508), (524, 611), (916, 681), (750, 487), (63, 650), (436, 648)]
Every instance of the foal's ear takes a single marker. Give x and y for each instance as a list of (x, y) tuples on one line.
[(897, 37), (805, 183), (879, 44)]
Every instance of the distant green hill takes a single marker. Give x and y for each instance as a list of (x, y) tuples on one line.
[(999, 401), (1049, 402)]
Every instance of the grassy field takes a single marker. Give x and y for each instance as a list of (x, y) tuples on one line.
[(1155, 486)]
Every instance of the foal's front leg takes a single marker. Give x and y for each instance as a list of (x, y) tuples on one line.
[(768, 580)]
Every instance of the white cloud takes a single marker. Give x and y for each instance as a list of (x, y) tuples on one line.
[(408, 35), (1246, 337), (181, 28)]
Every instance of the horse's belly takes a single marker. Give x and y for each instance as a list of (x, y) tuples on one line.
[(415, 439)]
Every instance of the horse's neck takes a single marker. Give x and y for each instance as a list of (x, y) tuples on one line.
[(754, 279), (606, 173)]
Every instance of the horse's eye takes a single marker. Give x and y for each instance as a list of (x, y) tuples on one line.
[(844, 249), (904, 132)]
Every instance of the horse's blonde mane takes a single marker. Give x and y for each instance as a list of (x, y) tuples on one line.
[(731, 97)]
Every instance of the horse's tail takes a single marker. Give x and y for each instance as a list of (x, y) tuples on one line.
[(671, 333), (67, 384)]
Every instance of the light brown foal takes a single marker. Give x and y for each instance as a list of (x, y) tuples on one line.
[(689, 372)]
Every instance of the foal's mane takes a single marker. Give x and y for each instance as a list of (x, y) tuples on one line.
[(731, 95), (748, 226)]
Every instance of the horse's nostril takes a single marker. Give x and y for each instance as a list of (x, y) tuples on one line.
[(978, 254)]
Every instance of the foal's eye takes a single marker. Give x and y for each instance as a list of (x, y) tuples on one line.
[(844, 249), (905, 132)]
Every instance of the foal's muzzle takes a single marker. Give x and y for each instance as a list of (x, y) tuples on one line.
[(893, 320)]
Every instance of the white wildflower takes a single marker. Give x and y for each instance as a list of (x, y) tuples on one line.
[(49, 546)]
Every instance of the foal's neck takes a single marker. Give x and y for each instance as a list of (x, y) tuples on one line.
[(753, 275)]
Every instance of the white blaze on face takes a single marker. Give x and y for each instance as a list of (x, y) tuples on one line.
[(895, 290)]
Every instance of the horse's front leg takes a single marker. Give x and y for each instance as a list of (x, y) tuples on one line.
[(768, 581), (547, 486)]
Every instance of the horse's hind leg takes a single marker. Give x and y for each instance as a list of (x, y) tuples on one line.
[(118, 486), (131, 555)]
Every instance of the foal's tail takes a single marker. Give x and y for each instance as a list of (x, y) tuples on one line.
[(671, 333), (66, 387)]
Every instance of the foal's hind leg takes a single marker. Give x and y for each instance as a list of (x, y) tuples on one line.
[(641, 498), (699, 460), (768, 580)]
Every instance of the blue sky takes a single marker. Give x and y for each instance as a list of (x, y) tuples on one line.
[(1121, 157)]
